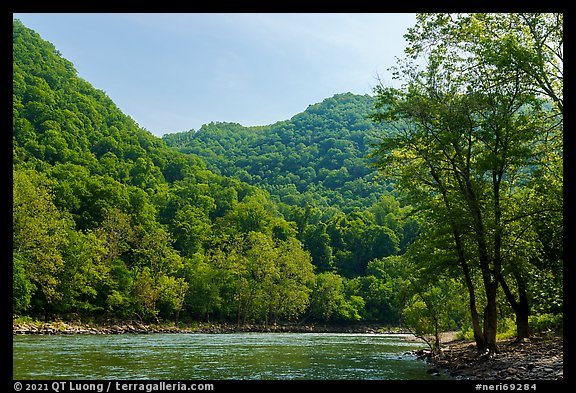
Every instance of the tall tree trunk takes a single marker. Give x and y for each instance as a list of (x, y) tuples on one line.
[(521, 307), (522, 327), (489, 275), (476, 328), (490, 320)]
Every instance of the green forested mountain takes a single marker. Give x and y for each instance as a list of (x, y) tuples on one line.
[(317, 167), (287, 222), (109, 221), (319, 157)]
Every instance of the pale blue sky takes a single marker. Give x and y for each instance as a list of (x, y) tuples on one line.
[(175, 72)]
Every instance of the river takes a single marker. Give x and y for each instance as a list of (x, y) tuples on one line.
[(263, 356)]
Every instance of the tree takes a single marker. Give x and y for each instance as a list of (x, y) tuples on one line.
[(84, 274), (153, 250), (203, 297), (22, 288), (249, 215), (145, 295), (430, 311), (171, 293), (116, 233), (289, 297), (317, 242), (118, 293), (330, 302), (328, 295), (430, 290), (39, 236), (468, 131), (191, 227)]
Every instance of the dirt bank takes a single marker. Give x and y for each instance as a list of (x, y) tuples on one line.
[(538, 358)]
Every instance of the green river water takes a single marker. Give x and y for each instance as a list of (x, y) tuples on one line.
[(263, 356)]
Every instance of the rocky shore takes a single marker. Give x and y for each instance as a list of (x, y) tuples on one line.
[(538, 358), (52, 328)]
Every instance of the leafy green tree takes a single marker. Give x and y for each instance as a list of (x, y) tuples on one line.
[(205, 287), (145, 294), (289, 296), (229, 270), (118, 293), (356, 239), (116, 234), (252, 214), (153, 250), (22, 288), (430, 311), (84, 273), (260, 274), (317, 242), (327, 296), (530, 44), (39, 234), (466, 140), (329, 300), (172, 291), (381, 292), (191, 228), (432, 292)]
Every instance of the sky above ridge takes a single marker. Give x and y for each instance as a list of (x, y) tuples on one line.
[(175, 72)]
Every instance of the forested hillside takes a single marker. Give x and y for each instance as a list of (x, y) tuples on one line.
[(319, 157), (107, 219), (110, 222)]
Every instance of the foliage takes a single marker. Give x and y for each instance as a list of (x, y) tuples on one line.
[(317, 158), (547, 323), (479, 116), (108, 220), (288, 222), (329, 300), (39, 236)]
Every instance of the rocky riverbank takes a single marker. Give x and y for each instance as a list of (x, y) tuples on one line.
[(51, 328), (538, 358)]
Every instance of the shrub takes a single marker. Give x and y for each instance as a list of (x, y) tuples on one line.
[(546, 323)]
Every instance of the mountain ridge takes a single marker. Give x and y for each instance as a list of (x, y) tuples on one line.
[(318, 157)]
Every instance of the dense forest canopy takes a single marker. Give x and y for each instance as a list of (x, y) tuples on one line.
[(317, 158), (435, 206)]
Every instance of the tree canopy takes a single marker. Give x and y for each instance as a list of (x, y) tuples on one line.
[(480, 123), (319, 157)]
